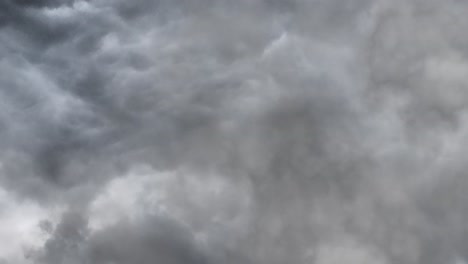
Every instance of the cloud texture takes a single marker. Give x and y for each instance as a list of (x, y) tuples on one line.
[(249, 131)]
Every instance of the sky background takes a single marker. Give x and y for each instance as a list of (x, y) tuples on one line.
[(233, 132)]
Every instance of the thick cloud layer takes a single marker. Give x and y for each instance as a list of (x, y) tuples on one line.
[(213, 131)]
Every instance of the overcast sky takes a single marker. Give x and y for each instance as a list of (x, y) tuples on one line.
[(233, 132)]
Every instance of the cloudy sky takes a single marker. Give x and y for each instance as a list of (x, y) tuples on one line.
[(233, 132)]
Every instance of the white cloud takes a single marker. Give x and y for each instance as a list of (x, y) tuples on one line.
[(19, 226)]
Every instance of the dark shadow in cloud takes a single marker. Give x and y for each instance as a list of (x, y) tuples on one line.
[(41, 3), (145, 241)]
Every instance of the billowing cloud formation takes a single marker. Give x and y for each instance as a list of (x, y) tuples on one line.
[(213, 131)]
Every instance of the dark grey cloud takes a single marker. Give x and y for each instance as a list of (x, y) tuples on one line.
[(153, 239), (40, 3), (234, 132)]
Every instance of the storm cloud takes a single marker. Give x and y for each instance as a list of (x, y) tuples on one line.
[(250, 131)]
